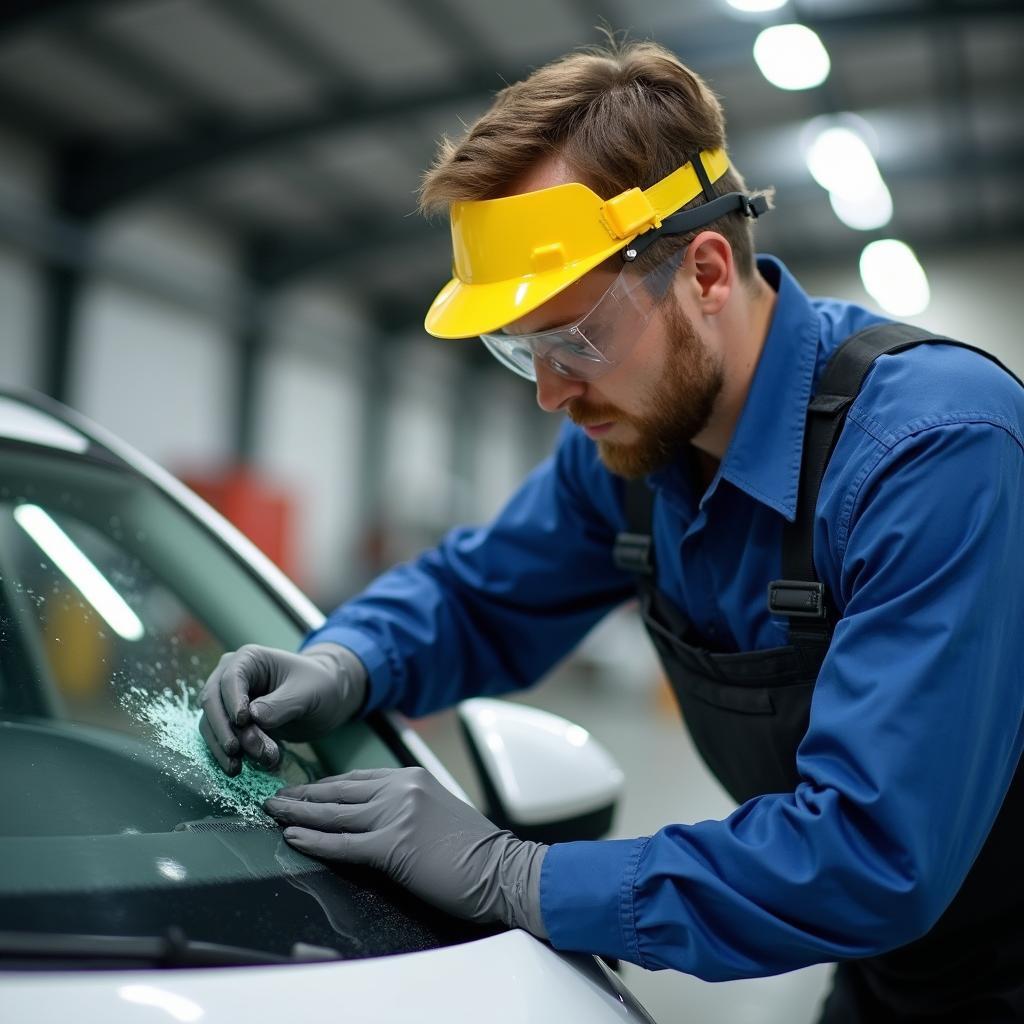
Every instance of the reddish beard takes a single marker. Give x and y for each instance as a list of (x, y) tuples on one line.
[(679, 405)]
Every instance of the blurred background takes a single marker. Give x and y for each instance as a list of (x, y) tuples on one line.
[(208, 244)]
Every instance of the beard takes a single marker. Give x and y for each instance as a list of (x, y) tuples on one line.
[(679, 405)]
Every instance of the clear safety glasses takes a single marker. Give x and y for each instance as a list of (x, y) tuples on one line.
[(596, 343)]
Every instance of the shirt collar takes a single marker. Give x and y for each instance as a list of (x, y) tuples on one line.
[(763, 457)]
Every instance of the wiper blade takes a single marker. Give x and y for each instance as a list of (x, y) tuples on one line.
[(172, 949)]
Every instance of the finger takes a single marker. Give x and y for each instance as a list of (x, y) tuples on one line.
[(323, 817), (340, 791), (346, 847), (231, 765), (260, 747), (359, 775), (213, 711), (279, 707), (363, 774), (241, 675)]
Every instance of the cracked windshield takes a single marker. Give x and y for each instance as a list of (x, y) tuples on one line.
[(114, 608)]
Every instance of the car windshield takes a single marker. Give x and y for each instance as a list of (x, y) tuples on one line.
[(115, 605)]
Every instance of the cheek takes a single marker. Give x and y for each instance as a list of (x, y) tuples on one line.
[(644, 368)]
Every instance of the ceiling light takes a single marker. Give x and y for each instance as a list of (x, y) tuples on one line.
[(757, 6), (791, 57), (894, 278), (840, 162), (864, 213)]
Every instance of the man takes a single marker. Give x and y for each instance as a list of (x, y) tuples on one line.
[(869, 721)]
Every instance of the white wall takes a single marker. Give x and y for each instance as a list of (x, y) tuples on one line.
[(159, 370), (975, 296), (162, 377), (506, 448), (309, 435), (20, 309), (418, 450)]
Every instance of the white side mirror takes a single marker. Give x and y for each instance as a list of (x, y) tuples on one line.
[(544, 777)]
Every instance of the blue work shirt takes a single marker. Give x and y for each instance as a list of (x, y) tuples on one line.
[(916, 720)]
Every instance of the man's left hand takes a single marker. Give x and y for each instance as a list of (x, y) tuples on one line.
[(403, 822)]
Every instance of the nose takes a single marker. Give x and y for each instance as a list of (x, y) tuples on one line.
[(554, 390)]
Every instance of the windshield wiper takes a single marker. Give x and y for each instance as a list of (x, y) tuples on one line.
[(172, 949)]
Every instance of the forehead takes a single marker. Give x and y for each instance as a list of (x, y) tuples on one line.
[(545, 173)]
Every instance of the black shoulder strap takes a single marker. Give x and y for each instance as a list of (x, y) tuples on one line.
[(799, 594), (634, 547)]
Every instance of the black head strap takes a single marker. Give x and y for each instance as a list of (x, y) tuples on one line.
[(702, 176), (689, 220)]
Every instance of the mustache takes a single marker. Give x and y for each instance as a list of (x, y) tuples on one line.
[(584, 415)]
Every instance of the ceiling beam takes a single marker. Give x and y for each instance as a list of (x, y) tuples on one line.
[(276, 33), (105, 178), (279, 260), (26, 15)]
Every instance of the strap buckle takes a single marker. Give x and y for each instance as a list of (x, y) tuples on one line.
[(754, 206), (797, 599), (632, 552)]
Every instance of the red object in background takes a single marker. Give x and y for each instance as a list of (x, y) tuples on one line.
[(262, 510)]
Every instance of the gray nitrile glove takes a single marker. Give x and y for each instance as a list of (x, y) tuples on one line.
[(258, 693), (403, 822)]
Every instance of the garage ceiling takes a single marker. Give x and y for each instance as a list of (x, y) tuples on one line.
[(302, 126)]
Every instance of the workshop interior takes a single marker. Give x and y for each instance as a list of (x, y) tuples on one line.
[(222, 416)]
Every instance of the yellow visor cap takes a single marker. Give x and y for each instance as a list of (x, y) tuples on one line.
[(511, 255)]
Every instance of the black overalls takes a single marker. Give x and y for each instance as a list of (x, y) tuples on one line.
[(747, 713)]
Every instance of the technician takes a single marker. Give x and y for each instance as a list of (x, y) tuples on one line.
[(822, 515)]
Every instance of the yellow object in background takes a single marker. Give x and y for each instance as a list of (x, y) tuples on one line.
[(78, 648)]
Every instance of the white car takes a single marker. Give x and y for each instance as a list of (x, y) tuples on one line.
[(137, 882)]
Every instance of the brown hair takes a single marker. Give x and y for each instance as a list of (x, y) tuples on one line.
[(621, 115)]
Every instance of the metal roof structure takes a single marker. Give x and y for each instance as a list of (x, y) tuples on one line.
[(301, 127)]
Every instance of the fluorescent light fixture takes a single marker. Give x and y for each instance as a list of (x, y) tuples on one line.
[(175, 1006), (864, 213), (841, 163), (90, 582), (894, 278), (791, 57), (757, 6)]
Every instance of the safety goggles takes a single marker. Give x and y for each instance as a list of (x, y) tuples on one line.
[(595, 344)]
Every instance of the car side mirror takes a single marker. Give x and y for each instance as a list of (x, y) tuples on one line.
[(544, 778)]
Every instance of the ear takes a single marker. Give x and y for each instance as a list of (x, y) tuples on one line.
[(714, 273)]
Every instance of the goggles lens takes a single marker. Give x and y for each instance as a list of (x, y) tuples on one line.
[(597, 342)]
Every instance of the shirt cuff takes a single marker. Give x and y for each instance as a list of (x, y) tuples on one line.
[(586, 896), (378, 668)]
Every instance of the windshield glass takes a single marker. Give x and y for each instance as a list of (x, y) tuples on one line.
[(115, 605)]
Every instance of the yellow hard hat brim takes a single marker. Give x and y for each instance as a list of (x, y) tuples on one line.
[(514, 253), (466, 310)]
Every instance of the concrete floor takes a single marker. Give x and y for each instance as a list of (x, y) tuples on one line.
[(631, 712)]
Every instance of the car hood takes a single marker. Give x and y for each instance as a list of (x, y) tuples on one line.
[(509, 978)]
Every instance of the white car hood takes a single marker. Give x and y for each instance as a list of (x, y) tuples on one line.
[(508, 978)]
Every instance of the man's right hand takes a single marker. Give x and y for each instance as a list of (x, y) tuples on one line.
[(258, 694)]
